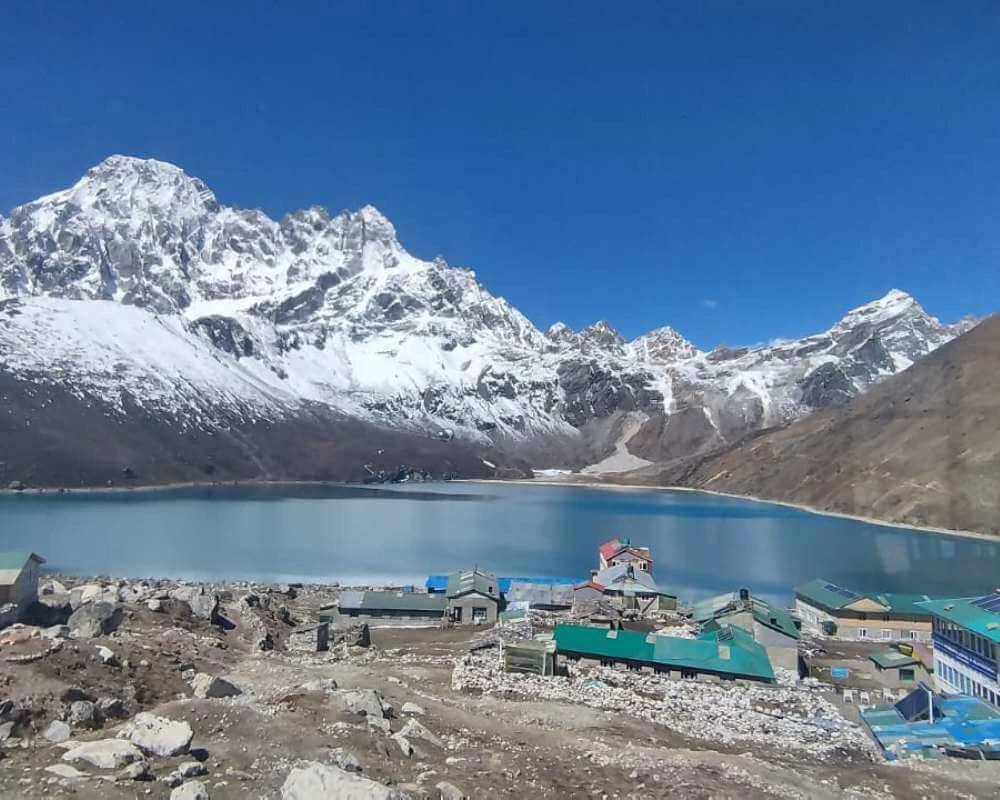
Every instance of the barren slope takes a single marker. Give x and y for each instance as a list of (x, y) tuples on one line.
[(923, 447)]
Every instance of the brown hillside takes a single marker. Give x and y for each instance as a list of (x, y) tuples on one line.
[(922, 448)]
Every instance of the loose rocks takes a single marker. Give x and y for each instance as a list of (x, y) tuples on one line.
[(192, 790), (57, 731)]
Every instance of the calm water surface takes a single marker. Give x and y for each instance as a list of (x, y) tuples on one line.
[(701, 543)]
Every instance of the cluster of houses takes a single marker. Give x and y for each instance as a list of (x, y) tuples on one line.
[(933, 656)]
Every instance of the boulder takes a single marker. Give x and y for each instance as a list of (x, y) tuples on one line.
[(139, 771), (94, 619), (346, 759), (315, 781), (104, 753), (211, 686), (192, 790), (56, 631), (50, 609), (8, 614), (107, 656), (404, 744), (412, 709), (449, 791), (358, 701), (111, 708), (57, 732), (203, 604), (155, 605), (91, 593), (191, 769), (82, 714), (6, 731), (66, 772), (158, 736), (417, 730), (319, 685)]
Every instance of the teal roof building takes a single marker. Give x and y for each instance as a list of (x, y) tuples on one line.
[(727, 652)]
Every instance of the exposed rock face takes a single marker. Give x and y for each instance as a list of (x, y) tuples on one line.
[(137, 295), (203, 604)]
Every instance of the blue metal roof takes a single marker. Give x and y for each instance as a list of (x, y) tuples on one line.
[(438, 583)]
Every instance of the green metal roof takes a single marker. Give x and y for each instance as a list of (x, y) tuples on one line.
[(15, 559), (905, 603), (727, 650), (963, 611), (725, 606), (827, 595), (892, 659)]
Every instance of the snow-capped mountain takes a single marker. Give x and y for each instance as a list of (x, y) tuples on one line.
[(136, 291)]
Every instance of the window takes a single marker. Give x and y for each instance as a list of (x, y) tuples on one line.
[(913, 634), (906, 674), (862, 633), (886, 633), (479, 614)]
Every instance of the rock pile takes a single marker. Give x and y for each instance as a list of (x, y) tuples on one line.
[(785, 718)]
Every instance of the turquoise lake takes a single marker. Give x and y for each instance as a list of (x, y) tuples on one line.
[(360, 535)]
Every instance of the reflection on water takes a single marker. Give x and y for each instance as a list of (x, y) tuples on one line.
[(701, 543)]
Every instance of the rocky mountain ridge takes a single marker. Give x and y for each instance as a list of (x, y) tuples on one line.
[(138, 293)]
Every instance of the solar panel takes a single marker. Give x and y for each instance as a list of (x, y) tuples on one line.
[(990, 602), (832, 587)]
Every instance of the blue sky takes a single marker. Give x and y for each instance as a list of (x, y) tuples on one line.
[(741, 171)]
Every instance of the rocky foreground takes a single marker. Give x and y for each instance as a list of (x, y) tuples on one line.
[(157, 689)]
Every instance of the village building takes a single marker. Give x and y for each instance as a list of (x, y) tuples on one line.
[(473, 597), (617, 552), (832, 610), (728, 652), (540, 594), (627, 588), (388, 604), (867, 672), (18, 584), (771, 626), (966, 635)]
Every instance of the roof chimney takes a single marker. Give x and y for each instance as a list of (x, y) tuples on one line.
[(593, 573), (745, 598)]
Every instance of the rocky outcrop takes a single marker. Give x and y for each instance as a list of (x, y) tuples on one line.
[(104, 753)]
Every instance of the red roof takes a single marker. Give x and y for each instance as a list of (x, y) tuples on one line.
[(612, 548), (591, 583)]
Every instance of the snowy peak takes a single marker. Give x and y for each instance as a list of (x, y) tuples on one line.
[(662, 345)]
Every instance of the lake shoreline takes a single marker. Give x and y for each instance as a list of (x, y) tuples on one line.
[(590, 484), (548, 481)]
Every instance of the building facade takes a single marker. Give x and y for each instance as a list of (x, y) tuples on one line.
[(966, 633), (618, 552), (826, 608), (19, 573)]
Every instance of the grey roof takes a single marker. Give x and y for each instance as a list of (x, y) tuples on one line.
[(472, 580), (541, 594), (392, 601), (617, 579)]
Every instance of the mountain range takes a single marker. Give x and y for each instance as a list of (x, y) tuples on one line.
[(149, 333)]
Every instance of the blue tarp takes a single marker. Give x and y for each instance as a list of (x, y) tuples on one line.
[(959, 722), (438, 583)]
